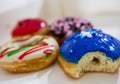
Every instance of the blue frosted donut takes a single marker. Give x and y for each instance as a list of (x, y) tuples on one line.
[(90, 40)]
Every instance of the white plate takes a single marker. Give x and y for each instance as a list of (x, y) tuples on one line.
[(54, 74)]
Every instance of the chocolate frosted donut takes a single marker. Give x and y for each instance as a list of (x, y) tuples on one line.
[(65, 27)]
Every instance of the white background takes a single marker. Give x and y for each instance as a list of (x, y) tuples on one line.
[(104, 14)]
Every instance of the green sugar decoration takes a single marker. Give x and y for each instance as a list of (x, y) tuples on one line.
[(17, 51), (47, 55)]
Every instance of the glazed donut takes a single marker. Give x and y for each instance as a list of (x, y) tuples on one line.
[(28, 53), (63, 28), (90, 50), (30, 26)]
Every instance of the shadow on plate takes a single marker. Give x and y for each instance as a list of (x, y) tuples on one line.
[(6, 76), (57, 76)]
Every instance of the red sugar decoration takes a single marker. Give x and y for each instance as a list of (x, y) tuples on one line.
[(28, 26)]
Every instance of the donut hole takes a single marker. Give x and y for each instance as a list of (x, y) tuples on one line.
[(95, 60)]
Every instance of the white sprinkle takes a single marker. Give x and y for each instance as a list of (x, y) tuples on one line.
[(111, 48), (42, 24), (74, 41), (105, 39), (88, 34), (71, 51)]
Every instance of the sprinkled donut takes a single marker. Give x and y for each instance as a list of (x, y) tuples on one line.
[(28, 53), (63, 28), (30, 26), (90, 50)]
